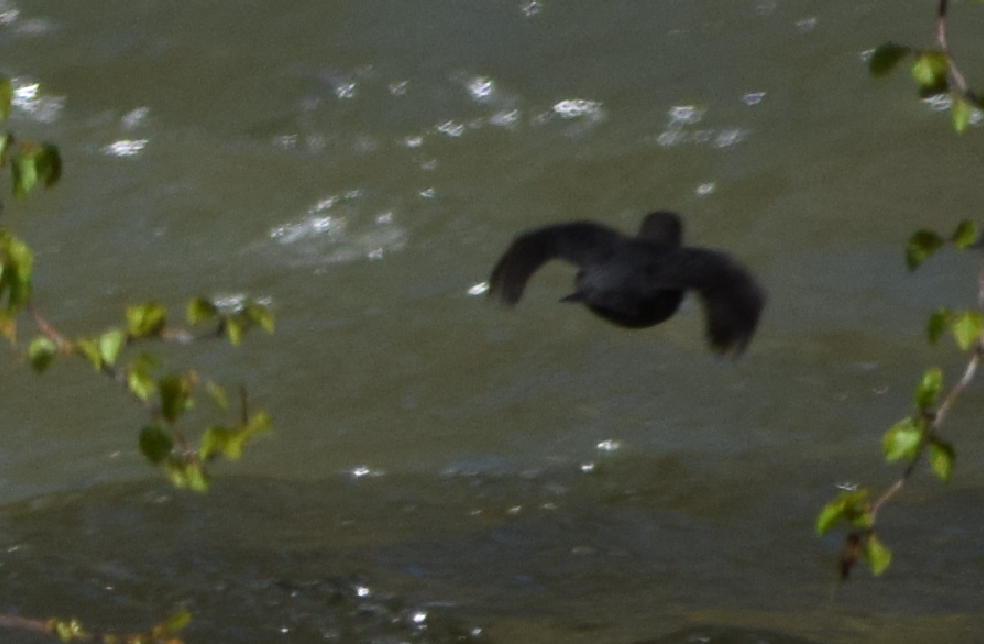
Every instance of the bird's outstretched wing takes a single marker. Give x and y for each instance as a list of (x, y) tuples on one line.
[(731, 297), (581, 243)]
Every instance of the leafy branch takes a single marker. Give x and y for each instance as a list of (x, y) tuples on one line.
[(166, 395), (73, 631), (917, 436), (935, 71)]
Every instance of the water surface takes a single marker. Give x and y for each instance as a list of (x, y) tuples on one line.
[(363, 164)]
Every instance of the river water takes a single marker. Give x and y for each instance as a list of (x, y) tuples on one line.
[(442, 469)]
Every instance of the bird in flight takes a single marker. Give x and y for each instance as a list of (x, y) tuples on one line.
[(639, 281)]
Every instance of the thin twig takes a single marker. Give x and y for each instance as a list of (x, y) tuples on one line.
[(49, 331), (956, 76)]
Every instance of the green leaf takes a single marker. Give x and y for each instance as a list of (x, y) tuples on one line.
[(90, 351), (902, 440), (234, 330), (831, 513), (849, 505), (109, 345), (15, 272), (966, 328), (941, 459), (195, 476), (259, 423), (922, 245), (23, 173), (217, 393), (960, 113), (176, 395), (876, 555), (31, 165), (221, 440), (928, 388), (938, 321), (70, 631), (176, 622), (155, 443), (929, 70), (259, 315), (965, 235), (6, 140), (138, 379), (200, 309), (145, 320), (229, 442), (184, 474), (6, 97), (41, 353), (18, 255), (140, 385), (885, 58)]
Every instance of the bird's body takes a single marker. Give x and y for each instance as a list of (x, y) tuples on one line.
[(639, 281)]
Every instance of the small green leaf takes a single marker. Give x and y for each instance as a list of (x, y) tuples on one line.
[(941, 459), (195, 475), (145, 320), (200, 309), (831, 513), (16, 261), (966, 328), (176, 622), (849, 505), (140, 385), (90, 351), (259, 423), (960, 113), (221, 440), (885, 58), (928, 388), (70, 631), (155, 443), (965, 235), (902, 440), (6, 97), (176, 395), (234, 330), (185, 474), (41, 353), (6, 140), (217, 393), (138, 379), (109, 345), (259, 315), (938, 321), (922, 245), (23, 172), (929, 71), (33, 164), (876, 555)]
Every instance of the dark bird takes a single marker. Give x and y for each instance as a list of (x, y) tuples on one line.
[(639, 281)]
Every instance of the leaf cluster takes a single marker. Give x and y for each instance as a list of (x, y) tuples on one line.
[(930, 70), (167, 395), (167, 632), (916, 435)]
